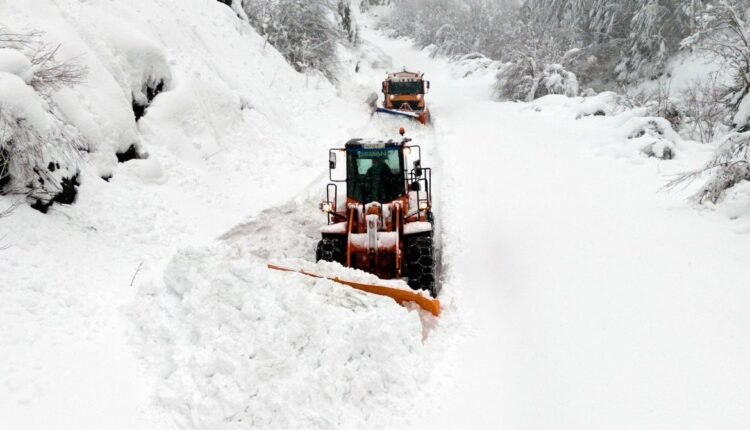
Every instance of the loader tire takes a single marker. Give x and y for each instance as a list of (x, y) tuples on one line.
[(420, 264), (331, 250)]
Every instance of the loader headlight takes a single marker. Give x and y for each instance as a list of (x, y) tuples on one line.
[(423, 206), (407, 151), (326, 207)]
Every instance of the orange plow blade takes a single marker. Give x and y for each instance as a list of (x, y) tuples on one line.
[(400, 296)]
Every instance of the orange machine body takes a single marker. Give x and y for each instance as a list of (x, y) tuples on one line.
[(378, 225), (405, 92)]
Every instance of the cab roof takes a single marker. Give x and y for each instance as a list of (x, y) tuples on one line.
[(375, 143), (405, 76)]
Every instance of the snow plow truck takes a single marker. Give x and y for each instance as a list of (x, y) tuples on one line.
[(403, 95)]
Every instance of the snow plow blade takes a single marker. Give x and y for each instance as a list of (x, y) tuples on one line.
[(400, 296), (422, 117)]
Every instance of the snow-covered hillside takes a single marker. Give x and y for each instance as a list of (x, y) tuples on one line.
[(235, 130), (575, 294)]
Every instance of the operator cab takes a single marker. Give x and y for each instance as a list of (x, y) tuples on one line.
[(375, 171), (378, 171)]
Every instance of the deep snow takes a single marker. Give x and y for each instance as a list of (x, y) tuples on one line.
[(575, 294), (588, 298)]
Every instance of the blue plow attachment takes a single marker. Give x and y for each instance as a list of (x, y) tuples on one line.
[(413, 115)]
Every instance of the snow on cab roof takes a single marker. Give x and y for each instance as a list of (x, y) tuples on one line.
[(374, 143), (404, 75)]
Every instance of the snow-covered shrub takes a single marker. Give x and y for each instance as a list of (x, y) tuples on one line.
[(306, 33), (556, 80), (470, 64), (729, 166), (514, 82), (39, 152), (706, 116), (653, 135), (519, 82), (657, 101), (606, 103)]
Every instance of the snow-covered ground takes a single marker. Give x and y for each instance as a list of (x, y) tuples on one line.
[(588, 299), (575, 294)]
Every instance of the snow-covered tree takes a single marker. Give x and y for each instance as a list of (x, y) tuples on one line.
[(723, 30), (306, 33)]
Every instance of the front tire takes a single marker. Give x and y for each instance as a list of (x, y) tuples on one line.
[(330, 249), (420, 264)]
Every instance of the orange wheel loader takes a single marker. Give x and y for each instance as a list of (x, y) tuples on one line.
[(385, 225)]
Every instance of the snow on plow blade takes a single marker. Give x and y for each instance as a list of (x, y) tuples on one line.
[(400, 296), (422, 116)]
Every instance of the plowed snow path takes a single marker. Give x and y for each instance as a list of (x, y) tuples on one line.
[(588, 300)]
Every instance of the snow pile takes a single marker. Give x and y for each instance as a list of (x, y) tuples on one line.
[(241, 346), (654, 136), (603, 104), (332, 270), (735, 203), (470, 64), (638, 133)]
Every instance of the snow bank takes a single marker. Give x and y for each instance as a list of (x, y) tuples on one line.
[(471, 64), (637, 133), (242, 346), (603, 104), (235, 130)]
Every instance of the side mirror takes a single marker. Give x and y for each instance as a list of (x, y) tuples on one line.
[(331, 160), (418, 168), (414, 186), (427, 86), (383, 88)]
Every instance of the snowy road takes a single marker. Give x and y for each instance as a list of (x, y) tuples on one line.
[(586, 299), (575, 295)]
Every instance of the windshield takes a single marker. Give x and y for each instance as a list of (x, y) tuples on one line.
[(395, 87), (374, 174)]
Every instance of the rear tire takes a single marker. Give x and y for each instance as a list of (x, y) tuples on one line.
[(420, 264), (330, 249)]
